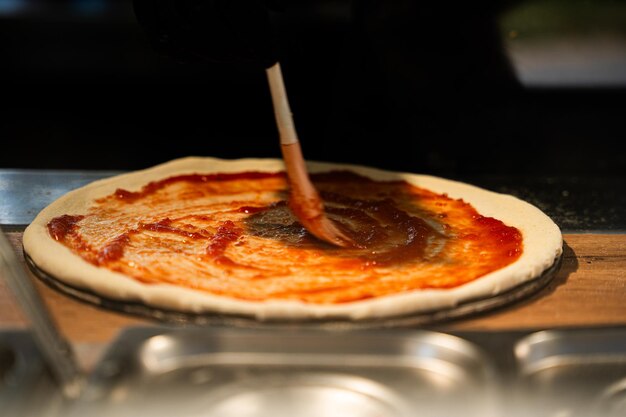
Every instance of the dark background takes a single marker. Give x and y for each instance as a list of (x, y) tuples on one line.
[(81, 88)]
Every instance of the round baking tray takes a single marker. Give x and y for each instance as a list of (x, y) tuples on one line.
[(463, 310)]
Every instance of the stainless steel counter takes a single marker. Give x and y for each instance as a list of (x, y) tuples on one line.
[(23, 193)]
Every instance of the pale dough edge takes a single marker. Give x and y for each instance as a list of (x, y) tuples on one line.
[(542, 246)]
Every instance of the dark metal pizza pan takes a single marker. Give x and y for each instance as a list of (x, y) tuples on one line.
[(465, 309)]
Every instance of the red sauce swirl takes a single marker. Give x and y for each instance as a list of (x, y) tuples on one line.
[(233, 234)]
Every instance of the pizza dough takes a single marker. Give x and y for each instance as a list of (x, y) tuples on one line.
[(222, 258)]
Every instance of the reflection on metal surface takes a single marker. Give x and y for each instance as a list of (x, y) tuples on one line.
[(7, 362), (307, 395), (612, 402), (576, 373), (547, 349), (202, 372), (23, 377), (196, 372)]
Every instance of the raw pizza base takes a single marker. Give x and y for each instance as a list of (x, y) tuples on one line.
[(541, 238)]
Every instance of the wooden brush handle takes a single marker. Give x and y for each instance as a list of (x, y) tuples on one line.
[(282, 111)]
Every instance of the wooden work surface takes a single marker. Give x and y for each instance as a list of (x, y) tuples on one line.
[(588, 290)]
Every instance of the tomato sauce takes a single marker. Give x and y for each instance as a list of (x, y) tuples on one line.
[(233, 234)]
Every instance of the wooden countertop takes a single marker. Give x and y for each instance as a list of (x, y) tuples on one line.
[(588, 290)]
